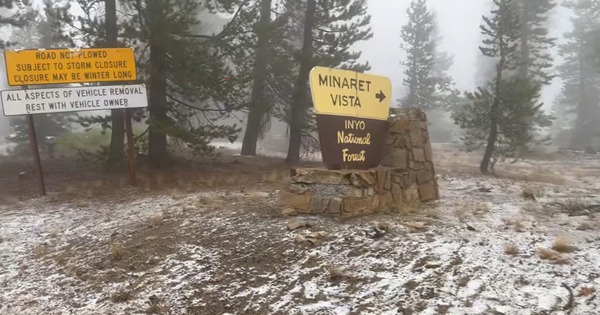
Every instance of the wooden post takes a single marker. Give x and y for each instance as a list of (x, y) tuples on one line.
[(36, 153), (130, 148)]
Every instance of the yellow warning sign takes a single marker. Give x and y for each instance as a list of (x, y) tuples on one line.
[(62, 66), (350, 93)]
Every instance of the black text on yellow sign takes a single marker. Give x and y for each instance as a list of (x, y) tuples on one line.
[(350, 93), (63, 66)]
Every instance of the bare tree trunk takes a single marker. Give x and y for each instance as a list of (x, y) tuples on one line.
[(298, 117), (494, 112), (117, 134), (524, 52), (257, 100), (157, 137), (579, 139), (525, 61)]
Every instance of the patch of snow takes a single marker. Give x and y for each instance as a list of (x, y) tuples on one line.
[(446, 265)]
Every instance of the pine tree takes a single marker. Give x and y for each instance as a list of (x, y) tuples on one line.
[(37, 34), (184, 69), (535, 42), (299, 108), (117, 116), (419, 45), (430, 88), (579, 102), (257, 105), (186, 77), (18, 14), (96, 31), (482, 117), (258, 51), (330, 28), (505, 114), (536, 60)]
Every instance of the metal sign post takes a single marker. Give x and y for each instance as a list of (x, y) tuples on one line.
[(35, 151), (65, 66), (130, 148)]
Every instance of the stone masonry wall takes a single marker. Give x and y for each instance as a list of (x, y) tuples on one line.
[(405, 176)]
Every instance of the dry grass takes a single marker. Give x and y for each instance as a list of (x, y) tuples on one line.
[(117, 251), (482, 208), (463, 281), (122, 295), (562, 245), (462, 213), (53, 232), (176, 194), (155, 306), (530, 193), (548, 254), (256, 195), (276, 176), (337, 274), (40, 250), (552, 255), (8, 200), (523, 176), (574, 206), (585, 226), (541, 154), (75, 179), (68, 189), (580, 172), (156, 220), (586, 291), (71, 270), (517, 224), (82, 204), (511, 249), (210, 202), (99, 184)]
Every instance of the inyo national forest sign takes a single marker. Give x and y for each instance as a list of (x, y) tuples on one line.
[(352, 111)]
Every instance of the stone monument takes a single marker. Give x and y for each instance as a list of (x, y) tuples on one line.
[(392, 171)]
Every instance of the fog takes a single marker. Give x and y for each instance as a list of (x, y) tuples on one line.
[(458, 22)]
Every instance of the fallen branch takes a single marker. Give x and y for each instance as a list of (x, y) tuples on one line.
[(571, 302)]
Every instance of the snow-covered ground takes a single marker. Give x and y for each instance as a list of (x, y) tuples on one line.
[(485, 248)]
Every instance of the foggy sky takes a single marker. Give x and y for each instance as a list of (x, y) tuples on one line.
[(458, 22)]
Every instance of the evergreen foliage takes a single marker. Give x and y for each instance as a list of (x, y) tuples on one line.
[(420, 48), (19, 15), (430, 88), (329, 30), (37, 34), (501, 114), (579, 101), (184, 68), (535, 43)]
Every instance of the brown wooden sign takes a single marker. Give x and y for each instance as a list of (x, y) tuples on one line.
[(352, 110)]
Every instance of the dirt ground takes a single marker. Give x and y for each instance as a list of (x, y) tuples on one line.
[(208, 238)]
